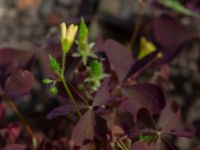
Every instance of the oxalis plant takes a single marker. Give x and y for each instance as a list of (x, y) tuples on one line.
[(115, 110), (110, 98)]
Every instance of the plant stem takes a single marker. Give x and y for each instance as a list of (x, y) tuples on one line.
[(63, 64), (137, 26), (71, 97), (24, 121), (135, 32)]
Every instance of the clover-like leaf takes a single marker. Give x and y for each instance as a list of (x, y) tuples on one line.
[(145, 95), (89, 126), (169, 46), (120, 58)]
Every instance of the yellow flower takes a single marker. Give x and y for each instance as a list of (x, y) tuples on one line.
[(63, 30), (68, 34), (147, 47)]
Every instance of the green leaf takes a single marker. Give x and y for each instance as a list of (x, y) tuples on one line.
[(47, 81), (83, 34), (177, 6), (53, 64), (96, 75), (146, 138), (53, 90), (96, 69)]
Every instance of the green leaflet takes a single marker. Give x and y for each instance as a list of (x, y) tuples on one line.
[(54, 65), (83, 34), (177, 6), (96, 69), (96, 75)]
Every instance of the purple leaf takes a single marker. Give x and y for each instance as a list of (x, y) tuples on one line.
[(84, 129), (19, 83), (120, 58), (15, 147), (139, 65), (173, 124), (24, 58), (64, 110), (102, 96), (182, 133), (128, 105), (145, 120), (170, 109), (164, 29), (166, 145), (6, 70), (139, 146), (89, 126), (145, 95)]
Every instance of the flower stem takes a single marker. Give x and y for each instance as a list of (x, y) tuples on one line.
[(71, 97)]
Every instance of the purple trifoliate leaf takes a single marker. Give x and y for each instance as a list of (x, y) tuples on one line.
[(145, 95), (89, 126), (102, 96), (120, 58)]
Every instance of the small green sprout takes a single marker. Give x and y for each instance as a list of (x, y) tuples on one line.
[(84, 48), (96, 74), (47, 81), (54, 65), (53, 90)]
